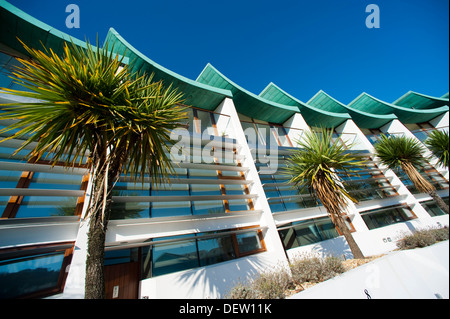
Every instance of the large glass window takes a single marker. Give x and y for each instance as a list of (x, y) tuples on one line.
[(307, 232), (32, 273), (215, 250), (45, 206), (386, 216), (165, 209), (248, 242), (42, 180), (208, 207), (171, 254), (172, 257), (433, 209)]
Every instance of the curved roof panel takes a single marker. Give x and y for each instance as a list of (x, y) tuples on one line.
[(362, 119), (367, 103), (196, 94), (312, 115), (246, 102), (416, 100), (14, 23)]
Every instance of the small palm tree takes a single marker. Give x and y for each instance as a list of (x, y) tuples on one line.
[(89, 104), (438, 142), (407, 153), (314, 167)]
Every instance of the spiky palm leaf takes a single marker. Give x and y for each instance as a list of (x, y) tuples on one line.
[(438, 143), (314, 166), (408, 154), (86, 103), (320, 158)]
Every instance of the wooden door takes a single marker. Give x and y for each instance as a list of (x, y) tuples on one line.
[(122, 281)]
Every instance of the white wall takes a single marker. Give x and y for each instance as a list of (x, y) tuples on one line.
[(373, 242), (271, 237), (205, 282), (421, 273)]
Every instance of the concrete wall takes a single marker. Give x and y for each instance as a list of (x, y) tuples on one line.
[(205, 282), (372, 242), (410, 274)]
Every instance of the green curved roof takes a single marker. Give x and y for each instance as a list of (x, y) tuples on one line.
[(445, 96), (196, 94), (312, 115), (14, 23), (363, 119), (367, 103), (246, 102), (416, 100)]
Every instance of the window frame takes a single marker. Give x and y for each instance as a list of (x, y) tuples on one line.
[(36, 250)]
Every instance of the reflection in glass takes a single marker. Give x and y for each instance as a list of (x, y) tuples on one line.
[(26, 275)]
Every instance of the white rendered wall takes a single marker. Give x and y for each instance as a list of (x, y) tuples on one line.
[(271, 237), (421, 273), (373, 242), (205, 282)]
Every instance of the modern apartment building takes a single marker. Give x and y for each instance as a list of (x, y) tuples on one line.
[(229, 212)]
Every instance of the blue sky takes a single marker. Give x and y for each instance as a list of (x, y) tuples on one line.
[(301, 46)]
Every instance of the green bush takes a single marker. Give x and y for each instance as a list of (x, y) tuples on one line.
[(423, 238)]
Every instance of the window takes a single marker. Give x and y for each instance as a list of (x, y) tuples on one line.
[(33, 205), (387, 216), (433, 209), (114, 257), (173, 257), (307, 232), (33, 272), (171, 254), (215, 250), (249, 242), (44, 206)]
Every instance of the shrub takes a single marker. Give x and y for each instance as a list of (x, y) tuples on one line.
[(275, 283), (267, 285), (423, 238), (333, 266), (313, 269), (242, 290), (272, 285)]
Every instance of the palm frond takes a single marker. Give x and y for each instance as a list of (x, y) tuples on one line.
[(395, 150), (438, 143), (314, 166)]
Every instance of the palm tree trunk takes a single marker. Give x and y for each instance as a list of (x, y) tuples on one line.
[(102, 197), (356, 251), (334, 202), (439, 201), (106, 172), (423, 185), (95, 279)]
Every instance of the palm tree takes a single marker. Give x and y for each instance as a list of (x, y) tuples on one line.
[(89, 104), (407, 153), (438, 142), (314, 167)]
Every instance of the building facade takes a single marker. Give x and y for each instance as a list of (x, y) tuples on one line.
[(229, 211)]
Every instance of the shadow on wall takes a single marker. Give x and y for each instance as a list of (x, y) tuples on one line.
[(337, 247), (216, 280)]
